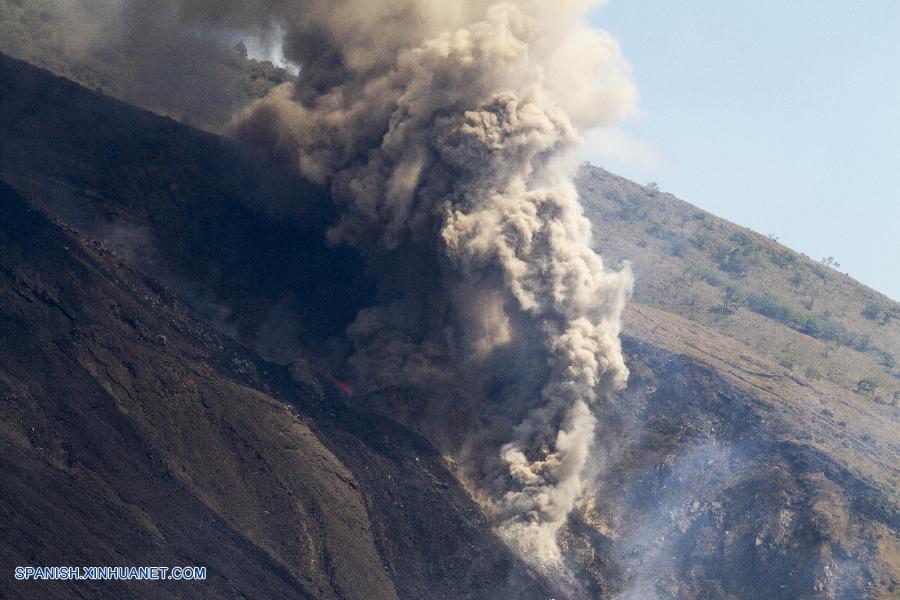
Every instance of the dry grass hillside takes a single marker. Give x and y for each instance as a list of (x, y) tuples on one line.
[(778, 320)]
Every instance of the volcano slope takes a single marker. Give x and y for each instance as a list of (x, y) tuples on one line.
[(133, 434), (720, 473)]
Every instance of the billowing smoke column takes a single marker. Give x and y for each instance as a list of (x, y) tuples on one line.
[(445, 132)]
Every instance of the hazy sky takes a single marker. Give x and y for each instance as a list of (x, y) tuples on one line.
[(780, 116)]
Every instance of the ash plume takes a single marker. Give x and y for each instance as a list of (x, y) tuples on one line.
[(445, 133)]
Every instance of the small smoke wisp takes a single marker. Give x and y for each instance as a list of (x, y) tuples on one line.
[(445, 132)]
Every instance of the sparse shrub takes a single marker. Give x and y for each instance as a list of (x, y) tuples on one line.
[(822, 327), (701, 238), (866, 385), (797, 279), (735, 259), (711, 277), (787, 363), (720, 252), (830, 330), (735, 262), (660, 232), (863, 343), (782, 258), (812, 328), (641, 243), (613, 196), (774, 308), (882, 316), (871, 311), (842, 423), (678, 248), (890, 315), (653, 187), (888, 360), (634, 207), (812, 373), (741, 238), (820, 273)]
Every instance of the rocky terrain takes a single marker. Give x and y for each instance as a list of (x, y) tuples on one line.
[(132, 433), (170, 326)]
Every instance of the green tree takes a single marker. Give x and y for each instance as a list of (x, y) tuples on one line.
[(730, 298), (812, 327)]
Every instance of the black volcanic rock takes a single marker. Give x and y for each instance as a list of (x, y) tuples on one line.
[(183, 205), (119, 450)]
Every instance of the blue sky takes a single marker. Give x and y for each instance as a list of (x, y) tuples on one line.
[(782, 116)]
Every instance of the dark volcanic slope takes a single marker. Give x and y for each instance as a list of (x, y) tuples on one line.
[(131, 434), (178, 203)]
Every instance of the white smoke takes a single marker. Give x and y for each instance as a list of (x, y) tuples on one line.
[(446, 134)]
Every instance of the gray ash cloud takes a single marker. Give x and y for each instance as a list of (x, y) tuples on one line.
[(445, 133)]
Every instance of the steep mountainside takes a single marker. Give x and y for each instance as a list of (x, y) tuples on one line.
[(790, 326), (703, 493), (132, 434), (721, 473)]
